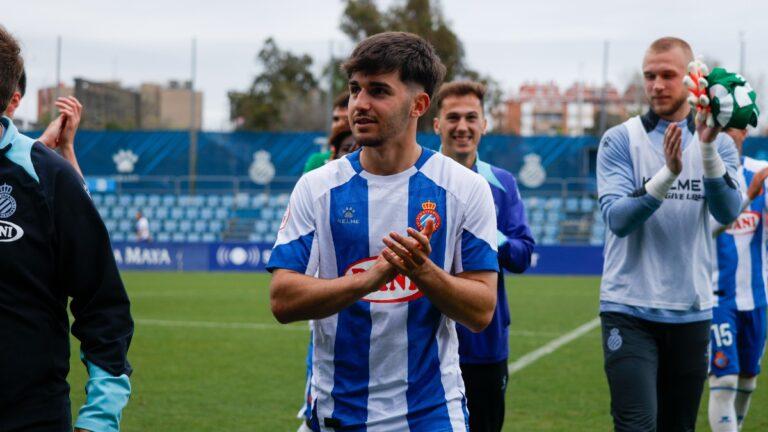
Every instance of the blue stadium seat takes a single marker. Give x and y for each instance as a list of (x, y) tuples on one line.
[(178, 237), (572, 204), (184, 200), (103, 211), (553, 216), (169, 200), (110, 224), (170, 225), (163, 237), (124, 200), (140, 200), (197, 200), (161, 212), (215, 226), (222, 213), (270, 237), (110, 200), (213, 201), (208, 237), (200, 226), (117, 237), (153, 200), (177, 212), (261, 226), (185, 225), (267, 213), (283, 199), (587, 204), (154, 225), (254, 237), (554, 203), (193, 212), (206, 213), (125, 226), (227, 200), (537, 216), (97, 199), (258, 200), (193, 237), (118, 212), (275, 226)]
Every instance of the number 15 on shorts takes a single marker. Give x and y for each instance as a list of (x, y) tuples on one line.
[(722, 334)]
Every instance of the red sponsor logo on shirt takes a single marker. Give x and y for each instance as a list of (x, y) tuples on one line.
[(399, 290), (746, 223)]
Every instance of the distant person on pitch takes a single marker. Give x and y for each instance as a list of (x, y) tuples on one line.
[(461, 123), (142, 228), (60, 133)]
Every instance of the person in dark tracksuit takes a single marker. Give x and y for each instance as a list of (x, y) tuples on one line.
[(54, 247), (659, 178), (483, 356)]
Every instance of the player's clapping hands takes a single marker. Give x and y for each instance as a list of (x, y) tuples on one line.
[(409, 255), (60, 134), (673, 148)]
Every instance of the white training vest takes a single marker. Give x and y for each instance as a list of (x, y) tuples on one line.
[(666, 262)]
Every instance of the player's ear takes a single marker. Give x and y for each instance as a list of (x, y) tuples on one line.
[(436, 125), (485, 125), (420, 104)]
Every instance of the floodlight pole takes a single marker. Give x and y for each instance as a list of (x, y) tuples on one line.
[(604, 91), (742, 53), (57, 91), (192, 120)]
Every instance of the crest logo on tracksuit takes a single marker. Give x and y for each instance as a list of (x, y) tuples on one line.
[(7, 203), (428, 211), (8, 231), (614, 340)]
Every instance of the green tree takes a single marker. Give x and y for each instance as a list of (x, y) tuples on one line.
[(282, 97), (363, 18)]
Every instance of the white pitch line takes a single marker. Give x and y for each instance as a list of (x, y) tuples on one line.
[(552, 346), (220, 325), (267, 326)]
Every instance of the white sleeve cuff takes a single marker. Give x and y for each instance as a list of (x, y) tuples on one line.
[(660, 183), (713, 163)]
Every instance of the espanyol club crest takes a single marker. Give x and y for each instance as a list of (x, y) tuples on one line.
[(428, 212), (721, 360), (7, 203), (614, 340)]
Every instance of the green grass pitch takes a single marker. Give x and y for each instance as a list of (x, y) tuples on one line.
[(208, 355)]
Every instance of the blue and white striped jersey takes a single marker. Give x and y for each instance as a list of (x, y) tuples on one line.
[(390, 361), (741, 274)]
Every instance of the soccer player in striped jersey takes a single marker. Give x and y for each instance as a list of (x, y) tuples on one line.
[(461, 123), (659, 178), (385, 249), (738, 323)]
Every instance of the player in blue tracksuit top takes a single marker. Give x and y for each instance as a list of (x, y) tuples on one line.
[(55, 248), (483, 356)]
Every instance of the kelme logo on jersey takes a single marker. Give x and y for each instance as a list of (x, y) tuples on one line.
[(7, 203), (10, 232), (399, 290), (746, 223), (429, 211)]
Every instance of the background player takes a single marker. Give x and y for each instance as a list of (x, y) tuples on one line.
[(339, 123), (461, 123), (54, 247), (738, 322), (659, 177), (385, 351)]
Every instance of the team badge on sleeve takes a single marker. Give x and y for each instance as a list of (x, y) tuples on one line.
[(7, 203), (429, 211)]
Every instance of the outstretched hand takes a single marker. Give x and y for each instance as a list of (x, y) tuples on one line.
[(61, 132), (409, 255)]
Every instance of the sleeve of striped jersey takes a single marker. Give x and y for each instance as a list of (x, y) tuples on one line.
[(478, 233), (295, 239)]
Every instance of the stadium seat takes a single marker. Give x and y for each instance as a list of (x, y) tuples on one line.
[(553, 216), (221, 213), (227, 201), (117, 237), (213, 201), (178, 237), (118, 212), (554, 203), (154, 225), (200, 226), (185, 225), (170, 225), (97, 199), (110, 200), (139, 200), (169, 200), (267, 213), (215, 226), (193, 237), (153, 200), (111, 225), (161, 212), (124, 200), (193, 212), (163, 237), (208, 237), (177, 212), (124, 226), (206, 213), (258, 200), (241, 200), (587, 204)]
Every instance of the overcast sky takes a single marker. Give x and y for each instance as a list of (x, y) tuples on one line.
[(513, 41)]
